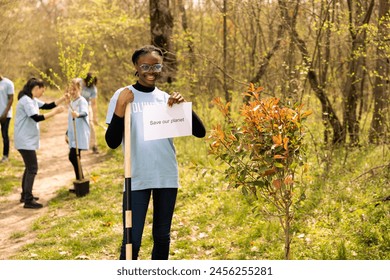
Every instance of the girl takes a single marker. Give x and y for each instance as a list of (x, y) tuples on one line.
[(26, 133), (89, 92), (154, 167), (78, 113)]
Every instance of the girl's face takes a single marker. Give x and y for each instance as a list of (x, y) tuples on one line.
[(149, 68), (37, 91), (74, 91)]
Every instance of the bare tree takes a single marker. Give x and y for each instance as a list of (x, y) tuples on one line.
[(379, 125), (184, 22), (355, 75), (228, 98), (161, 27)]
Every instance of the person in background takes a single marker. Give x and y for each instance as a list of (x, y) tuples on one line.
[(6, 99), (26, 133), (89, 92), (154, 167), (78, 113)]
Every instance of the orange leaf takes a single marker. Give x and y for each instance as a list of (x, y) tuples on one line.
[(221, 135), (215, 144), (226, 109), (279, 157), (216, 101), (251, 87), (232, 137), (259, 89), (307, 113), (269, 171), (285, 143), (277, 183), (277, 139), (288, 180)]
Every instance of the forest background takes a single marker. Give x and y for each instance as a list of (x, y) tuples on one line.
[(332, 56)]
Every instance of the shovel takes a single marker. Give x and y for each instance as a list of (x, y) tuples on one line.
[(81, 186), (128, 209)]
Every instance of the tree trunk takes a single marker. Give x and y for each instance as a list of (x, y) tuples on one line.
[(228, 98), (355, 75), (379, 125), (184, 23), (287, 233), (161, 27), (267, 58)]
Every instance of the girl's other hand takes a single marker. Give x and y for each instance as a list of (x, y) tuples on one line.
[(175, 98)]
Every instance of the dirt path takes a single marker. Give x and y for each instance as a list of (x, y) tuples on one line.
[(55, 172)]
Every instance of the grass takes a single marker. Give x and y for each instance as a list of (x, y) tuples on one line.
[(80, 228), (10, 174), (341, 217)]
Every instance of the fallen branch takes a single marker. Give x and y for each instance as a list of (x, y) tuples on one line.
[(371, 171)]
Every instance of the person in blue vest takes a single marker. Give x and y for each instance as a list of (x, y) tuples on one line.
[(154, 167), (26, 133), (6, 100)]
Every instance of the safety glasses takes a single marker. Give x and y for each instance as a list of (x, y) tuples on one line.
[(155, 67)]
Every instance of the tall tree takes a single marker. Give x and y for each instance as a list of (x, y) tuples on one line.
[(161, 27), (228, 97), (187, 32), (381, 91), (358, 20)]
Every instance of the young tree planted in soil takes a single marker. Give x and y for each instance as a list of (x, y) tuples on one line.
[(263, 150)]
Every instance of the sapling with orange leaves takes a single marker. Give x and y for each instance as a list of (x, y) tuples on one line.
[(263, 149)]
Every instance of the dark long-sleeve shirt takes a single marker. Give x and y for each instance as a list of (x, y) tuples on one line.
[(46, 106)]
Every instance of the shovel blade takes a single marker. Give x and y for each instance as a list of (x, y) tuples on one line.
[(81, 187)]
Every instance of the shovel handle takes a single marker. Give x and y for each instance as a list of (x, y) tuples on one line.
[(127, 163), (81, 175), (128, 141)]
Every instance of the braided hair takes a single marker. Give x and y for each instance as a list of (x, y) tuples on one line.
[(145, 50)]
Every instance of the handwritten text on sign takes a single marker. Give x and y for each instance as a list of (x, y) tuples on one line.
[(162, 121)]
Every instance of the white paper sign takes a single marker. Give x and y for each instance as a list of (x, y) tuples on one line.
[(162, 121)]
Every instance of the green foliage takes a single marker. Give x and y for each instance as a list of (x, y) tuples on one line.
[(72, 63), (343, 207)]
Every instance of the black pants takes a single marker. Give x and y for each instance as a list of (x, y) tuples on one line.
[(73, 159), (30, 171), (4, 134), (163, 205)]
